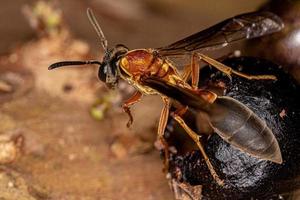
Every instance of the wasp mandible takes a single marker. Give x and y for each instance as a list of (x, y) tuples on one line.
[(151, 71)]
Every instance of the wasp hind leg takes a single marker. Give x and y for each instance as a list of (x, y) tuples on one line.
[(177, 116), (229, 71), (136, 97)]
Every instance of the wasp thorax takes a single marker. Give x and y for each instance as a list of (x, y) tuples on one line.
[(139, 61)]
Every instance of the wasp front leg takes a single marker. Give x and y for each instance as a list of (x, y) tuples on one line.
[(229, 71), (136, 97), (161, 129), (177, 116)]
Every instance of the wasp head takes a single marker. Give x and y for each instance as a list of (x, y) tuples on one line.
[(108, 70)]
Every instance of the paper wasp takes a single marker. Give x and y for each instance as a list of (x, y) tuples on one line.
[(150, 71)]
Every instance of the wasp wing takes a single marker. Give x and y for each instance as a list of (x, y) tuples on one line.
[(244, 26), (229, 118), (183, 95)]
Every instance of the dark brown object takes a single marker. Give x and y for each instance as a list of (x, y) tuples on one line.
[(283, 47), (245, 177)]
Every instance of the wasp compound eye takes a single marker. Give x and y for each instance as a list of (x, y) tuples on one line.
[(102, 72), (108, 74)]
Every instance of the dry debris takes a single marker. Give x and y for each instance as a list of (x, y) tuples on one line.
[(10, 148)]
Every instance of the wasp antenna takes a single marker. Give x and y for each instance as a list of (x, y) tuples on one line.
[(68, 63), (97, 28)]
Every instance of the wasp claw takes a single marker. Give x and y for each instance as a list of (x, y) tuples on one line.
[(229, 77), (129, 123)]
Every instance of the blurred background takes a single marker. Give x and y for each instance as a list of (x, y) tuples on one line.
[(63, 135), (138, 24)]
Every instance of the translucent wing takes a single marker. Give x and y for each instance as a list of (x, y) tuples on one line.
[(245, 26), (183, 95)]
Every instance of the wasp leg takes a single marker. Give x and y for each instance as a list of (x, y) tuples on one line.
[(195, 71), (161, 129), (192, 70), (229, 71), (196, 138), (136, 97), (186, 73)]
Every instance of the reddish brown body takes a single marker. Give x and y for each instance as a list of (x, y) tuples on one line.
[(145, 62)]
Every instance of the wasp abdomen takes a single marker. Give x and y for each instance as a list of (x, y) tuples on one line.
[(242, 128)]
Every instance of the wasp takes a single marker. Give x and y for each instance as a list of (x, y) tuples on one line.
[(152, 72)]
